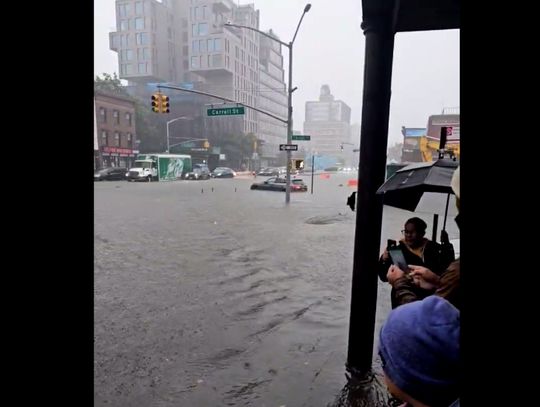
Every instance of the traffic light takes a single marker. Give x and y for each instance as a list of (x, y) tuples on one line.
[(156, 102), (164, 104)]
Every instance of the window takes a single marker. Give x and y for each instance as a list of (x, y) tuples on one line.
[(127, 54), (123, 41), (169, 33), (124, 9), (129, 137), (194, 30), (198, 13), (218, 44), (124, 24), (184, 36), (202, 45), (217, 60), (195, 46), (142, 38), (128, 118), (142, 67), (205, 12), (185, 50), (103, 114), (139, 23), (195, 62), (210, 45), (143, 54), (117, 139), (203, 28), (103, 138), (237, 53), (138, 8), (116, 115), (128, 69)]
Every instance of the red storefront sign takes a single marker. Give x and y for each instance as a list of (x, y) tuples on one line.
[(117, 151)]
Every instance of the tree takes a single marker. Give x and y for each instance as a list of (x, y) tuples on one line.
[(110, 84)]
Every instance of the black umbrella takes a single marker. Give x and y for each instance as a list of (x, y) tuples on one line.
[(406, 187)]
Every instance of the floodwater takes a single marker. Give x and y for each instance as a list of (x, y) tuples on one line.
[(210, 294)]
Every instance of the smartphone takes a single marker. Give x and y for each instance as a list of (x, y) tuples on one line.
[(390, 243), (398, 258)]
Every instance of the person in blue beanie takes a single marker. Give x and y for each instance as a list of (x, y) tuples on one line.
[(419, 350)]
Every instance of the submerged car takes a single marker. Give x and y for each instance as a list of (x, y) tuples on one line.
[(199, 171), (223, 172), (280, 184), (110, 174)]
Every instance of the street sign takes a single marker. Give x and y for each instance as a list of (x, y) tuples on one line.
[(288, 147), (301, 137), (226, 111)]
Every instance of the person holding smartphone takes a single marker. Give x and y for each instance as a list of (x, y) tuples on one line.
[(417, 251), (446, 284)]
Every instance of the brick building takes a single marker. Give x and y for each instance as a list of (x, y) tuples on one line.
[(114, 130)]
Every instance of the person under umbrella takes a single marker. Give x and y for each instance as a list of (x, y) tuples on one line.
[(420, 251), (446, 285)]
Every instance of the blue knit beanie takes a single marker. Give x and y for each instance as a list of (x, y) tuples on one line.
[(419, 348)]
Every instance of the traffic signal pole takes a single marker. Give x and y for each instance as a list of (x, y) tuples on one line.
[(198, 92)]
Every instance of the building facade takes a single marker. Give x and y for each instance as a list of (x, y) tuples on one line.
[(185, 42), (272, 99), (328, 123), (115, 130)]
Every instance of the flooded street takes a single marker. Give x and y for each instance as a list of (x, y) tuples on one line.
[(225, 297)]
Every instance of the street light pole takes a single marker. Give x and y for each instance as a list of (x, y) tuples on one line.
[(188, 140), (290, 92), (169, 122), (289, 122)]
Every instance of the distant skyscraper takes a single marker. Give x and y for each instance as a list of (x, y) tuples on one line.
[(328, 124)]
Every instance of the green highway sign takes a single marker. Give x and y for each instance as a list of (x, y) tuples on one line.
[(226, 111), (301, 137)]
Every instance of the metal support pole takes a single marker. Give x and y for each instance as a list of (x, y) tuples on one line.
[(168, 136), (289, 128), (435, 227), (374, 140), (312, 171)]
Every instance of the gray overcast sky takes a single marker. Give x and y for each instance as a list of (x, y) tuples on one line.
[(329, 49)]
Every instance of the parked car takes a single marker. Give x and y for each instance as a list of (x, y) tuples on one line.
[(223, 172), (267, 172), (110, 174), (280, 184), (272, 171), (199, 171)]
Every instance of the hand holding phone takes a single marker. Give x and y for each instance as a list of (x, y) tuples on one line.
[(398, 259)]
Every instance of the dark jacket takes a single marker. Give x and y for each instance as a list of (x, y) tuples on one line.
[(436, 258), (406, 291)]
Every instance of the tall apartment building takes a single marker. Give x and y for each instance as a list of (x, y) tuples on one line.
[(328, 124), (181, 41), (272, 98)]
